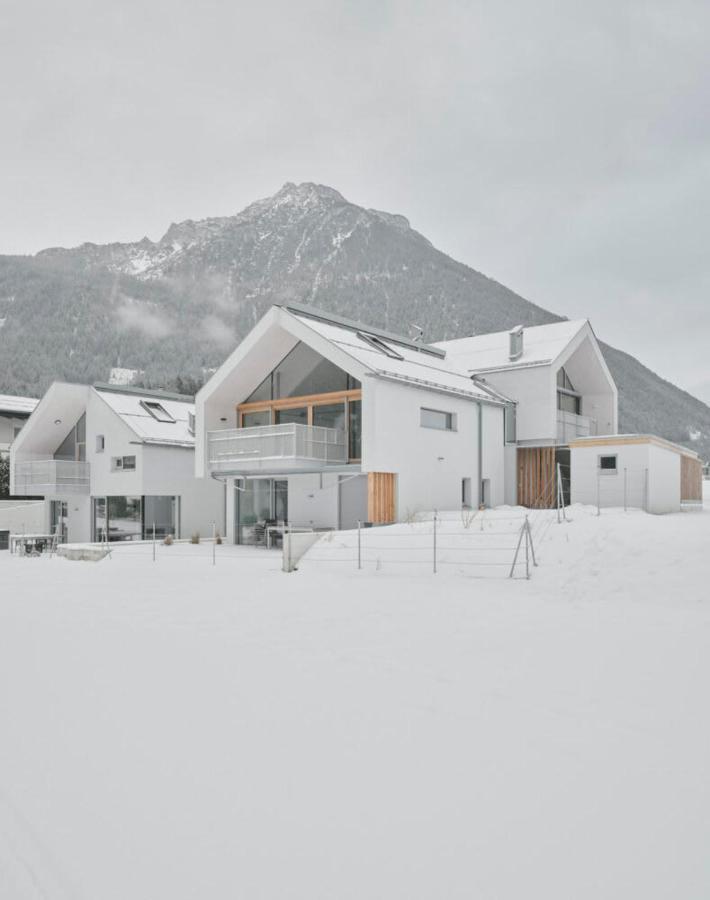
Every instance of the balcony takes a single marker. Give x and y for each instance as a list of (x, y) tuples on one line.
[(571, 426), (40, 477), (276, 448)]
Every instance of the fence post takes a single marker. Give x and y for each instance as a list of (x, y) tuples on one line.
[(559, 488), (626, 495), (214, 543), (532, 545), (434, 533), (527, 549), (517, 550), (153, 541), (598, 491), (359, 546)]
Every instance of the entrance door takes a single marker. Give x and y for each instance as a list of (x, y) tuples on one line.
[(260, 501), (59, 519)]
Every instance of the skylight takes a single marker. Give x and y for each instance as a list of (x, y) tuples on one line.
[(157, 410), (379, 344)]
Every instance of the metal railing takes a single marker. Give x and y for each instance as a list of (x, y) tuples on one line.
[(570, 426), (51, 476), (251, 448)]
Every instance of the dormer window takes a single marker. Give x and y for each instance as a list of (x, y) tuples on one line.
[(378, 344), (157, 410)]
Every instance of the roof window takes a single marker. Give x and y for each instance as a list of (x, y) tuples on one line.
[(157, 410), (379, 344)]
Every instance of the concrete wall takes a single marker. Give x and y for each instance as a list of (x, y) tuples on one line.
[(510, 455), (430, 464), (313, 500), (658, 492), (493, 467)]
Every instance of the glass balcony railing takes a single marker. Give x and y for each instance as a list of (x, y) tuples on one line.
[(277, 448), (39, 477)]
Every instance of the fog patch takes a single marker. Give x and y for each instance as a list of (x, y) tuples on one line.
[(136, 316), (217, 331)]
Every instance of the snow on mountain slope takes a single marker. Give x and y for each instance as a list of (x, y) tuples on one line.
[(175, 729)]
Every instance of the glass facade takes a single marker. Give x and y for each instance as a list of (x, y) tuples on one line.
[(252, 419), (132, 518), (300, 373), (58, 519), (298, 415), (260, 502), (73, 447), (355, 429)]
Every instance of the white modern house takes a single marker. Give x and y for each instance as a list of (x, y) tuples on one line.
[(14, 412), (562, 388), (322, 422), (111, 462)]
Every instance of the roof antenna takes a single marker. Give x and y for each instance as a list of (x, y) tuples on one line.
[(417, 338)]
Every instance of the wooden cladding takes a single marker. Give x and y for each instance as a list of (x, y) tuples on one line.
[(308, 400), (691, 479), (537, 480), (381, 497)]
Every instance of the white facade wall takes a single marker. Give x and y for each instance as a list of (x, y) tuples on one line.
[(510, 455), (535, 391), (647, 476), (23, 516), (430, 464), (313, 500), (664, 480)]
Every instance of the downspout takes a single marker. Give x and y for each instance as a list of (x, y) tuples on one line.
[(480, 454)]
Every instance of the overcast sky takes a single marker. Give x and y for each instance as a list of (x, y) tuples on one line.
[(562, 148)]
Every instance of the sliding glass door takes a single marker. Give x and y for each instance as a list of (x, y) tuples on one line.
[(260, 502)]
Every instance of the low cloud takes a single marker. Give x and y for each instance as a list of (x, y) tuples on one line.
[(134, 316), (218, 332)]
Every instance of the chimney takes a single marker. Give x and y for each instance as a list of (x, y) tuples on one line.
[(515, 348)]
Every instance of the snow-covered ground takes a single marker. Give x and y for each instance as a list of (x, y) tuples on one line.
[(181, 730)]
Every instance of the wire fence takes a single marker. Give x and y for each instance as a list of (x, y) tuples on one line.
[(497, 543)]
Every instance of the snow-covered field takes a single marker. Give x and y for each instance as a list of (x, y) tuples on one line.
[(181, 730)]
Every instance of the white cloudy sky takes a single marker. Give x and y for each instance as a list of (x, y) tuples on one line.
[(560, 147)]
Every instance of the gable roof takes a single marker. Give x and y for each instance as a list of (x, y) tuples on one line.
[(22, 406), (408, 362), (542, 344), (128, 406)]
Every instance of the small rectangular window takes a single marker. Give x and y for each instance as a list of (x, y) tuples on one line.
[(607, 464), (123, 463), (100, 443), (436, 418), (191, 422), (157, 410)]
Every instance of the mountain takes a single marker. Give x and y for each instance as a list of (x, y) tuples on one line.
[(175, 307)]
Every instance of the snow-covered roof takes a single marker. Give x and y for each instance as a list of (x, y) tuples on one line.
[(22, 406), (542, 344), (129, 406), (426, 366)]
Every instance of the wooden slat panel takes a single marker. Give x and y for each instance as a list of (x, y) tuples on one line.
[(691, 479), (381, 497), (537, 482)]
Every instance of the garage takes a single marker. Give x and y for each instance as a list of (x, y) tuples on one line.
[(635, 471)]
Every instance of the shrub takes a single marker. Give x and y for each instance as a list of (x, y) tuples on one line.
[(218, 538), (195, 538), (168, 540)]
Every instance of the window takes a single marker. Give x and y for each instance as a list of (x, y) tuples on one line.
[(191, 422), (379, 344), (355, 429), (100, 443), (298, 415), (466, 493), (73, 447), (607, 464), (254, 419), (123, 464), (330, 415), (157, 410), (510, 424), (568, 399), (300, 373), (436, 418)]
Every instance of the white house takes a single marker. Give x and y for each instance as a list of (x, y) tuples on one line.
[(14, 412), (112, 462), (562, 388), (323, 421)]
